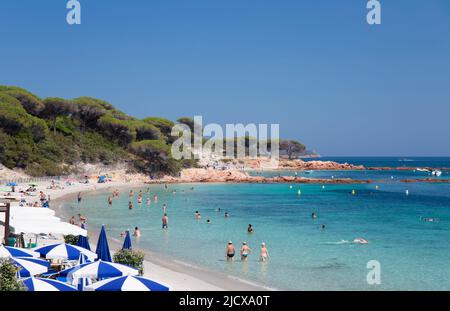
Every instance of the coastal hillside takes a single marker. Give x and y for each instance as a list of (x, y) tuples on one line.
[(56, 136)]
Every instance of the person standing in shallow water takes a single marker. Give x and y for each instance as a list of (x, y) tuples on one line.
[(110, 200), (130, 205), (79, 197), (165, 221), (230, 251), (264, 255), (245, 251)]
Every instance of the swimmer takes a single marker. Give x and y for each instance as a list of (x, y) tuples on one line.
[(78, 197), (322, 226), (227, 215), (137, 232), (208, 221), (130, 205), (230, 251), (264, 255), (139, 200), (131, 194), (313, 216), (164, 208), (155, 198), (110, 200), (250, 228), (360, 241), (245, 251), (149, 201), (428, 219)]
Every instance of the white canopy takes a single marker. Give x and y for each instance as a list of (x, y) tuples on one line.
[(40, 220)]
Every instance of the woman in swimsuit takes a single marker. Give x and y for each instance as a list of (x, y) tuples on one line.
[(245, 251), (230, 251)]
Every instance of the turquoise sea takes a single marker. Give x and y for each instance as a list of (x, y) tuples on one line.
[(414, 254)]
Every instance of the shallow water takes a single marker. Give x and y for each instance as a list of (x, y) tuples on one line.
[(414, 254)]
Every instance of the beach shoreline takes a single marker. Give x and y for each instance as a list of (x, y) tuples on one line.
[(179, 275)]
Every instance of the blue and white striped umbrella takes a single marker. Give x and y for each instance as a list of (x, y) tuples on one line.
[(64, 251), (47, 285), (30, 266), (9, 251), (82, 282), (128, 284), (101, 269)]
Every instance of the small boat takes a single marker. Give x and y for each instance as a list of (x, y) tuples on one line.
[(308, 172), (436, 173)]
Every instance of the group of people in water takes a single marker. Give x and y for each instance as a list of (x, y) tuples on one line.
[(245, 250)]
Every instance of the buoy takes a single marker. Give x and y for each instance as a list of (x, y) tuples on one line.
[(407, 192), (290, 187), (323, 186), (353, 191), (376, 187), (392, 177), (299, 192)]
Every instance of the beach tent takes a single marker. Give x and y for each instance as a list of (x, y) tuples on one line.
[(30, 266), (46, 285), (100, 269), (83, 241), (40, 220), (64, 251), (102, 246), (102, 179), (127, 283), (127, 241), (9, 251)]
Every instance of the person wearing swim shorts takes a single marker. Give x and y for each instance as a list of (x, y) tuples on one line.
[(230, 251)]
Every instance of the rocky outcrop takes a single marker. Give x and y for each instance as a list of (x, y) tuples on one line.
[(433, 180), (234, 176), (317, 165)]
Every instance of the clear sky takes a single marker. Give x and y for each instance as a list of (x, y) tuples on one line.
[(316, 67)]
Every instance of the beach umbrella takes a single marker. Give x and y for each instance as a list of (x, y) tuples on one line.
[(102, 246), (128, 283), (83, 282), (64, 251), (29, 266), (11, 184), (83, 241), (127, 241), (9, 251), (100, 269), (47, 285)]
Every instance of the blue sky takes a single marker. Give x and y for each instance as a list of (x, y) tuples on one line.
[(315, 67)]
